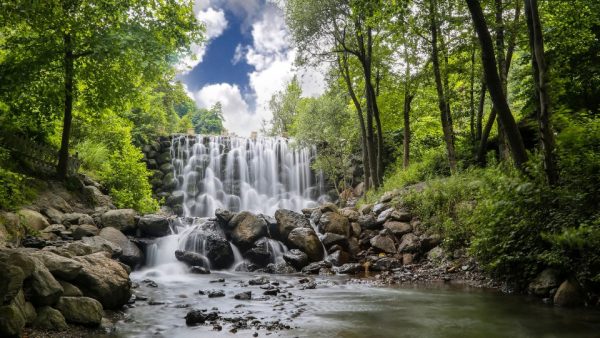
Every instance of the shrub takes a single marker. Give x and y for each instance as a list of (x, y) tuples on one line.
[(126, 177), (14, 188)]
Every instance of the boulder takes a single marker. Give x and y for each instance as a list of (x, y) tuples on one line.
[(328, 207), (368, 222), (32, 219), (315, 267), (430, 240), (338, 258), (84, 230), (288, 220), (260, 253), (219, 252), (380, 207), (99, 244), (384, 243), (54, 216), (385, 264), (20, 258), (164, 157), (70, 290), (569, 293), (14, 316), (75, 218), (400, 216), (154, 225), (331, 239), (223, 216), (365, 209), (247, 228), (196, 317), (350, 213), (49, 319), (10, 283), (296, 258), (191, 258), (81, 310), (200, 270), (543, 283), (335, 223), (280, 268), (348, 268), (436, 254), (246, 295), (384, 215), (59, 266), (355, 229), (409, 243), (398, 228), (104, 279), (166, 168), (43, 288), (120, 219), (306, 240), (176, 198), (315, 216), (130, 253), (96, 198)]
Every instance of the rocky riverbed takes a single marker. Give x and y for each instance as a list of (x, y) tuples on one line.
[(66, 261)]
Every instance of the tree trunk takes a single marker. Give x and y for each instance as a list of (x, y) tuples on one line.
[(494, 84), (63, 154), (536, 42), (480, 110), (444, 106), (406, 113), (372, 95), (472, 93), (503, 148), (343, 64)]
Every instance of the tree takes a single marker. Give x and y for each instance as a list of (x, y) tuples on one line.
[(97, 53), (494, 85), (540, 76), (283, 106)]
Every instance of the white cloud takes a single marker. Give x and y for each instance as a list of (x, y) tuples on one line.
[(215, 23), (272, 57), (238, 117)]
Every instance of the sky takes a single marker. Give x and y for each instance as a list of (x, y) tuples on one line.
[(246, 59)]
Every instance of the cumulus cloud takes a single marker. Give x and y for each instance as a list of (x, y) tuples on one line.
[(272, 57), (215, 23)]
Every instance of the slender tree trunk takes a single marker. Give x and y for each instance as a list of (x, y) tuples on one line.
[(509, 54), (373, 95), (444, 106), (494, 84), (480, 109), (63, 154), (343, 65), (502, 71), (472, 94), (536, 42), (406, 113)]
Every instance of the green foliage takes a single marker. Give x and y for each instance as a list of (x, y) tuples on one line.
[(15, 189), (325, 122), (208, 121), (92, 155), (284, 107), (126, 177)]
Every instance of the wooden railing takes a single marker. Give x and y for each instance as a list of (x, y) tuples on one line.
[(39, 158)]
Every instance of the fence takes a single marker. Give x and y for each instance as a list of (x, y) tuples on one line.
[(39, 158)]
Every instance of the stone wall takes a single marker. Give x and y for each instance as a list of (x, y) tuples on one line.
[(157, 156)]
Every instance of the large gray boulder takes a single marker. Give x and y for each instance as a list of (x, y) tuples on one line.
[(154, 225), (104, 279), (49, 319), (569, 294), (84, 230), (32, 219), (288, 220), (191, 258), (384, 243), (398, 228), (10, 283), (296, 258), (306, 240), (247, 228), (81, 310), (59, 266), (335, 223), (409, 243), (75, 218), (15, 315), (121, 219), (219, 252), (99, 244), (130, 253)]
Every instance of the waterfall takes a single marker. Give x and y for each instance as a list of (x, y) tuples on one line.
[(259, 175)]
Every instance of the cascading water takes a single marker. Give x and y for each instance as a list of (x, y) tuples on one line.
[(258, 175)]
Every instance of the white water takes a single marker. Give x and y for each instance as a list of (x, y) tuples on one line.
[(258, 175)]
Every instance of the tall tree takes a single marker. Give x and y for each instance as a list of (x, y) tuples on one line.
[(538, 60), (443, 103), (494, 84), (98, 51)]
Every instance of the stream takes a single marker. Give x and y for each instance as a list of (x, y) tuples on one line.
[(340, 307)]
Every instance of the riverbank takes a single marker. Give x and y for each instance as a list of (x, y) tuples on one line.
[(74, 246)]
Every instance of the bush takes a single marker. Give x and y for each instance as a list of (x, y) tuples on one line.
[(126, 177), (92, 155), (14, 188)]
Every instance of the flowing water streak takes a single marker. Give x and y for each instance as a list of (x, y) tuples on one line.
[(259, 175)]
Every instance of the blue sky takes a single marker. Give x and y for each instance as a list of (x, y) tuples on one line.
[(246, 59)]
